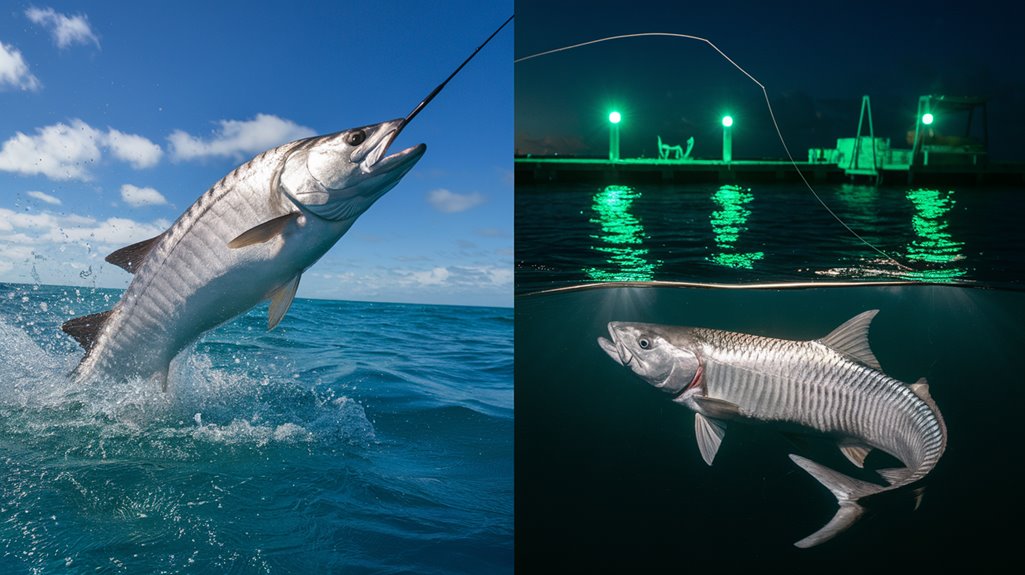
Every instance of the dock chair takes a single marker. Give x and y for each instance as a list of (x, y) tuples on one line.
[(665, 149)]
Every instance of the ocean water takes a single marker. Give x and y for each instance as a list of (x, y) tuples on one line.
[(355, 438), (609, 477)]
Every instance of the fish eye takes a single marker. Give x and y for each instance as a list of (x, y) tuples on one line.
[(355, 138), (644, 343)]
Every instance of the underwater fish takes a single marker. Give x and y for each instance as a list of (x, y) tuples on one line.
[(247, 239), (832, 385)]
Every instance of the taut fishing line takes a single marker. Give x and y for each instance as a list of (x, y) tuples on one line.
[(765, 93)]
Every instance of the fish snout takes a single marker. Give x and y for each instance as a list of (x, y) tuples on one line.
[(614, 348)]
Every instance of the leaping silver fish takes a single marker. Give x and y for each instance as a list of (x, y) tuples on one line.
[(832, 385), (247, 239)]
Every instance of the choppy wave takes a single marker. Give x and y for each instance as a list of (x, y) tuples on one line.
[(352, 430)]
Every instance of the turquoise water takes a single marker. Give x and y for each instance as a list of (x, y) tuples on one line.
[(355, 437)]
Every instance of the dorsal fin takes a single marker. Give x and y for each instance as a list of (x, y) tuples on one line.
[(84, 329), (129, 258), (851, 339)]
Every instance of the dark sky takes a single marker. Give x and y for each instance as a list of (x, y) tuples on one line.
[(816, 60)]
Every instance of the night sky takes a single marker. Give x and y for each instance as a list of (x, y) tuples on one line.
[(816, 59)]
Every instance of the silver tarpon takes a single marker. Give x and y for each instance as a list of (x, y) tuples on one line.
[(832, 385), (247, 239)]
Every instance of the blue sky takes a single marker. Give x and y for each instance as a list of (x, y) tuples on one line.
[(116, 116)]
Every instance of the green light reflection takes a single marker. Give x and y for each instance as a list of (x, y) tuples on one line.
[(728, 223), (621, 238), (934, 245)]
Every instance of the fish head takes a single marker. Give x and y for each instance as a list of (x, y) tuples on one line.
[(339, 176), (657, 354)]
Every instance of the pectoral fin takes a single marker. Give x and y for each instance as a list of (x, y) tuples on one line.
[(717, 408), (709, 434), (280, 301), (264, 232)]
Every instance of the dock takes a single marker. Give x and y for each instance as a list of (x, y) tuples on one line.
[(536, 170)]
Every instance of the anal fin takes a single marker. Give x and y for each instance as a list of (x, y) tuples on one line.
[(264, 232), (85, 329), (280, 301), (855, 452)]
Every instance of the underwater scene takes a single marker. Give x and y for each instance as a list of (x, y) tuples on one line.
[(610, 476), (355, 437), (611, 470)]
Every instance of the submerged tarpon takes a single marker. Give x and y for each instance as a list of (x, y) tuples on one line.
[(247, 239), (832, 385)]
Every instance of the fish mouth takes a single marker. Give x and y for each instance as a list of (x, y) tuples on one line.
[(376, 161), (616, 350)]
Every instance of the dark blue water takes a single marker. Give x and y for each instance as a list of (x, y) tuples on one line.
[(569, 234), (355, 437), (609, 477), (608, 473)]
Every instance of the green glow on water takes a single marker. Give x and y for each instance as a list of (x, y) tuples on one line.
[(934, 245), (728, 223), (621, 238)]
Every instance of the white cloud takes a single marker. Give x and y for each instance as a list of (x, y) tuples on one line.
[(49, 228), (238, 138), (450, 202), (67, 151), (44, 197), (138, 197), (14, 72), (55, 248), (66, 30), (136, 150), (434, 276)]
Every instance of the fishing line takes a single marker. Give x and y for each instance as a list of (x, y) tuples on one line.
[(434, 93), (772, 114)]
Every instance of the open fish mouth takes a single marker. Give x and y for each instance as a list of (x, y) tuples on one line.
[(616, 350), (375, 160)]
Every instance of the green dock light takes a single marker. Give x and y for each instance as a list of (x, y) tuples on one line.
[(614, 119), (727, 139), (927, 119)]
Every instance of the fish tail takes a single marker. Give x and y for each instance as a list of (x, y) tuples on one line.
[(847, 491)]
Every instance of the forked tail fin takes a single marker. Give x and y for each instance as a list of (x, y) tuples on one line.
[(847, 491)]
